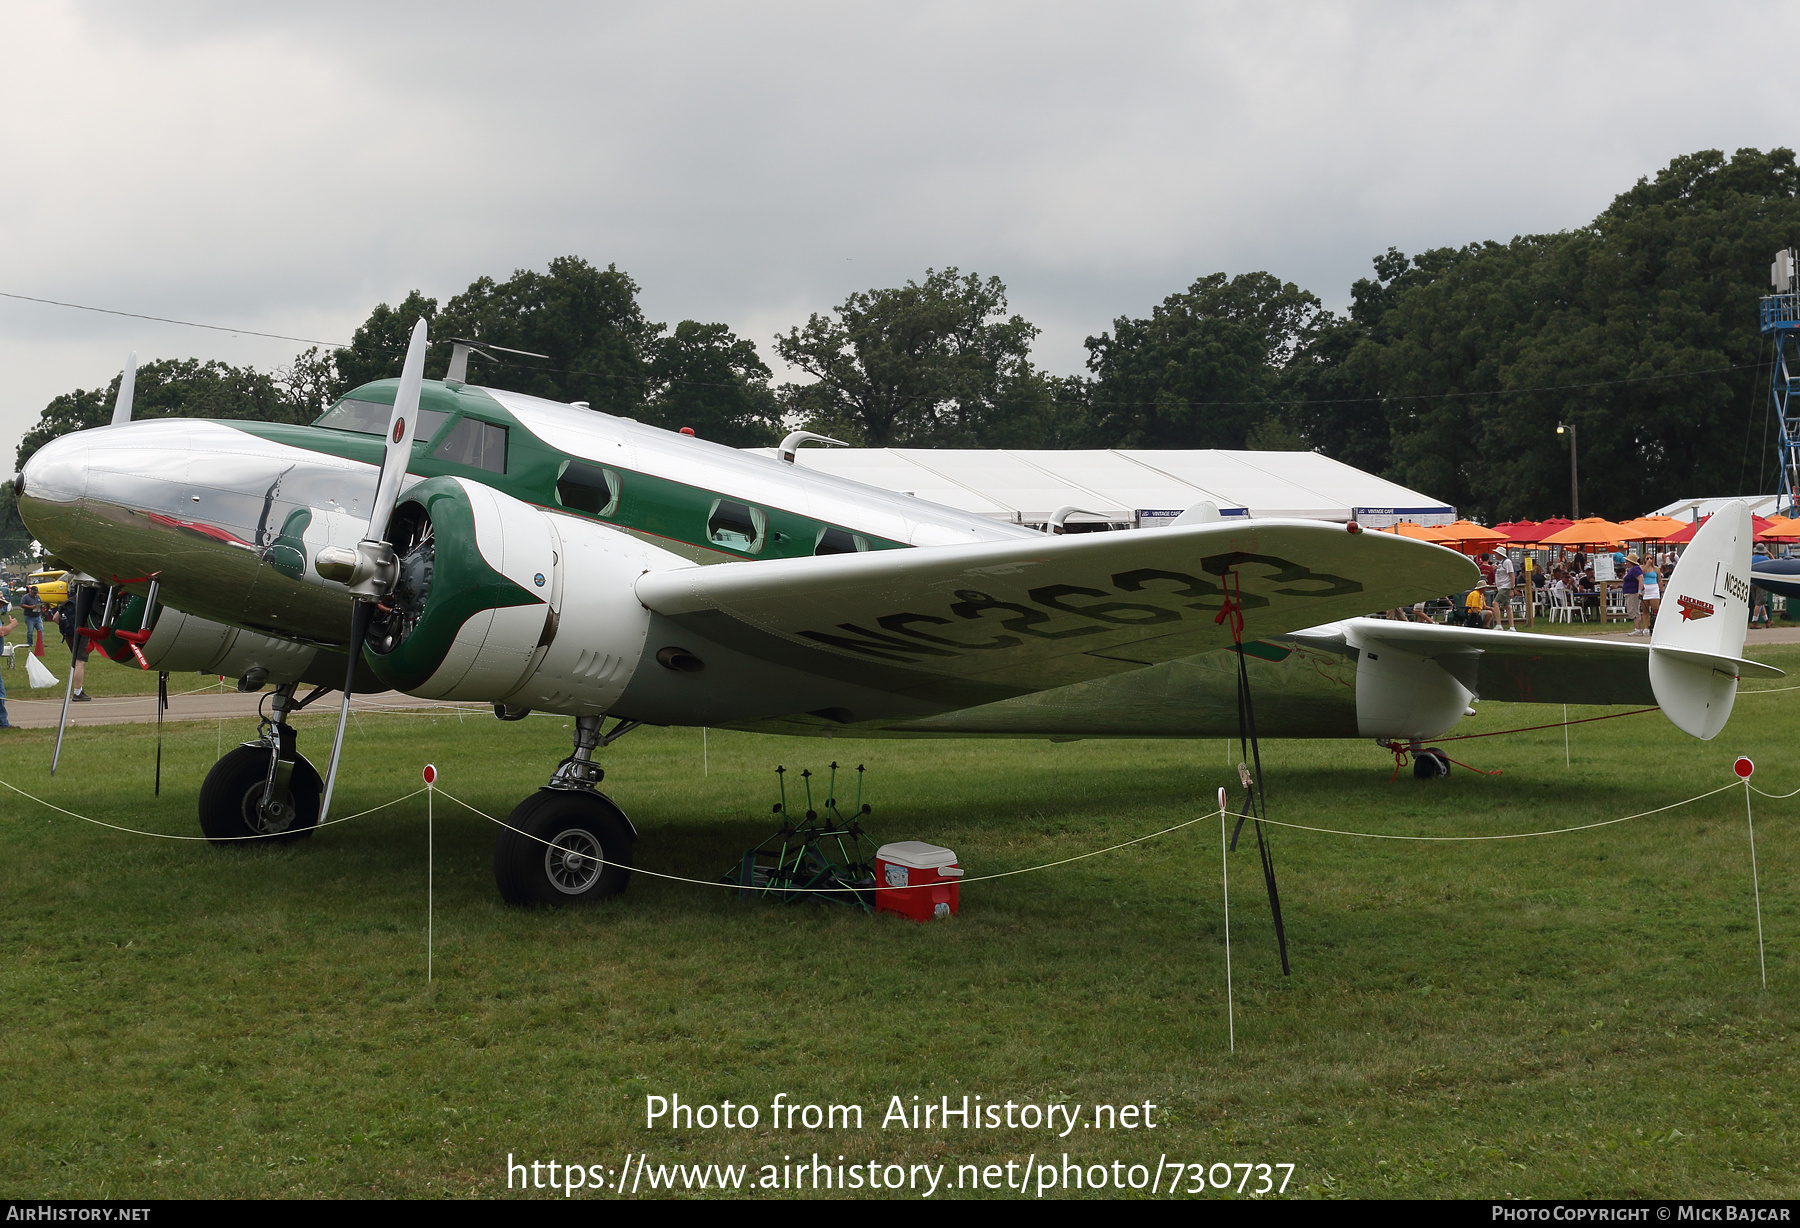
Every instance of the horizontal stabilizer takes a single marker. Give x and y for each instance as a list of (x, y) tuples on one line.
[(1514, 666), (1740, 667)]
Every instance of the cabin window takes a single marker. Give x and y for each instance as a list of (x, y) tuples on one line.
[(371, 418), (477, 444), (839, 541), (736, 526), (588, 488)]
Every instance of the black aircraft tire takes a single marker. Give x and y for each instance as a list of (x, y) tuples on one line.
[(234, 788), (1430, 764), (570, 848)]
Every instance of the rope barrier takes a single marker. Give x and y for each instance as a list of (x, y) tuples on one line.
[(1222, 813), (1460, 737), (1517, 835), (709, 882), (159, 835), (214, 689)]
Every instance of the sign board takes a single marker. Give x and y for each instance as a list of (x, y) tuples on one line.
[(1159, 517)]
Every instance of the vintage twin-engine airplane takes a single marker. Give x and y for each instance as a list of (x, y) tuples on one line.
[(465, 543)]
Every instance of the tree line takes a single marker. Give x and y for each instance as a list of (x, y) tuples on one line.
[(1449, 372)]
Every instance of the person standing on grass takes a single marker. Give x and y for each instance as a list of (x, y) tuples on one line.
[(1652, 595), (1504, 579), (78, 649), (1630, 587), (31, 608), (7, 624)]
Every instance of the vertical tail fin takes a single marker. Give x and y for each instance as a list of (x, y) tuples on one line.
[(1696, 648)]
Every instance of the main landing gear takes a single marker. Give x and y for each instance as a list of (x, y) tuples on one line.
[(1430, 763), (264, 791), (568, 843)]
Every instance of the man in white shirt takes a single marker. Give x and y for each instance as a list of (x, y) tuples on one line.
[(1504, 577)]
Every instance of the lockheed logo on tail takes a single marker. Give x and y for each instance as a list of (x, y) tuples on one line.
[(1693, 607)]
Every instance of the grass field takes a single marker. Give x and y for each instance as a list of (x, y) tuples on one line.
[(1574, 1015)]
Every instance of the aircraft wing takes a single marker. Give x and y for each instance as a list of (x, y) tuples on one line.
[(1520, 667), (1020, 616)]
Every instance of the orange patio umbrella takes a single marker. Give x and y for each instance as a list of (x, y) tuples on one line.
[(1651, 528), (1407, 528), (1468, 531), (1588, 531)]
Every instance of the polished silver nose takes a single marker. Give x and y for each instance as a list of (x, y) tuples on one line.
[(51, 486)]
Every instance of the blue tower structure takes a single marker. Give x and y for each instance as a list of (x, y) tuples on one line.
[(1780, 316)]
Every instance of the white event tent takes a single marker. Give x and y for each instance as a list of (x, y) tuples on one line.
[(1136, 488)]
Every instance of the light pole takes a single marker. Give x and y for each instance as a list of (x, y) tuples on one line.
[(1574, 474)]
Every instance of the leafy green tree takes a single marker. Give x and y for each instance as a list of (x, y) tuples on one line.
[(14, 538), (703, 376), (171, 388), (1205, 367), (587, 321), (1331, 393), (377, 349), (936, 363), (1640, 328)]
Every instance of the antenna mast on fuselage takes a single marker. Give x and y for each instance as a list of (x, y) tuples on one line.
[(460, 348)]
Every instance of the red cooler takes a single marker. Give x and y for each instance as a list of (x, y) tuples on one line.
[(916, 880)]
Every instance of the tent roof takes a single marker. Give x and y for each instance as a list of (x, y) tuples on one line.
[(1698, 509)]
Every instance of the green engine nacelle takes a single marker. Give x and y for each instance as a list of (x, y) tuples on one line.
[(500, 601)]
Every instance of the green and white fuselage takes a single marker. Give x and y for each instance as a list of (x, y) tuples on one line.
[(559, 559)]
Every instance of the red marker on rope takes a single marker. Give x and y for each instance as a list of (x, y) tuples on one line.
[(1743, 767), (430, 776)]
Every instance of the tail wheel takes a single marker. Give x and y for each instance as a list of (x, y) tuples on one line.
[(563, 847), (231, 800), (1429, 763)]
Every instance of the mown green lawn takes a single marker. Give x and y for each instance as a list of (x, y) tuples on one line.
[(1574, 1015)]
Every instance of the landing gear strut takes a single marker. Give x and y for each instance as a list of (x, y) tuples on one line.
[(264, 790), (568, 843)]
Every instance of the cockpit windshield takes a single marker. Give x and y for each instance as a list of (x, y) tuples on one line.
[(371, 418)]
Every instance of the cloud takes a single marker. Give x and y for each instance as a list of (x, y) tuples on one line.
[(284, 168)]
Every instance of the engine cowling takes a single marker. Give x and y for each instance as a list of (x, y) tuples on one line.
[(180, 643), (501, 602)]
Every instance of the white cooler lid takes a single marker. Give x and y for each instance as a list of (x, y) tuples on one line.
[(916, 855)]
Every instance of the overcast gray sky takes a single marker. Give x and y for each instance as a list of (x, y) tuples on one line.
[(285, 168)]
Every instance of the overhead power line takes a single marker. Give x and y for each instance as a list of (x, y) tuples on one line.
[(1267, 402), (135, 315)]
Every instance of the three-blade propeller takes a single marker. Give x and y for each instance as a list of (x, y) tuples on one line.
[(371, 569)]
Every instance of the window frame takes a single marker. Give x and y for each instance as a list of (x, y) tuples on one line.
[(759, 520), (615, 486)]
